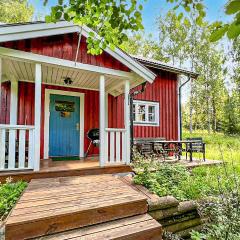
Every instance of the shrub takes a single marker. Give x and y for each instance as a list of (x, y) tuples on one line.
[(9, 194), (223, 211), (162, 178)]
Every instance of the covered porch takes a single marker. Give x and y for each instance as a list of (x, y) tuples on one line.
[(27, 146)]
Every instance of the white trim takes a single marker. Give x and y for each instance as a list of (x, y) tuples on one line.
[(46, 119), (14, 102), (45, 60), (12, 33), (127, 121), (16, 127), (157, 113), (37, 115), (102, 110)]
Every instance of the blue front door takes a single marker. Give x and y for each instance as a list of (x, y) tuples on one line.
[(64, 126)]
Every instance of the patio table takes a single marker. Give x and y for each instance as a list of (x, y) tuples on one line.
[(178, 149)]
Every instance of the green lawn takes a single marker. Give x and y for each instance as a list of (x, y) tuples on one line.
[(201, 181), (219, 146)]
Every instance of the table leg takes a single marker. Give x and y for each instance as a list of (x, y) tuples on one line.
[(179, 151), (190, 152)]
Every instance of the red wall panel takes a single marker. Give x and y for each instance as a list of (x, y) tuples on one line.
[(5, 103), (164, 91), (65, 47)]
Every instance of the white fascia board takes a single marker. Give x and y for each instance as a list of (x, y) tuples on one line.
[(36, 58), (18, 32)]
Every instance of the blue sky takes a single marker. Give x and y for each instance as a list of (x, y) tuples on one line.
[(152, 9)]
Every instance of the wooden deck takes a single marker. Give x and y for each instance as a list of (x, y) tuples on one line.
[(52, 169), (141, 227), (54, 205)]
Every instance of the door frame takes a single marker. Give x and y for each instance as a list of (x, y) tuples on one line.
[(48, 92)]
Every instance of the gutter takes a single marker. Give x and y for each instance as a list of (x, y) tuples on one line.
[(180, 105)]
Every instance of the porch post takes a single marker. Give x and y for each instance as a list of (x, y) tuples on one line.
[(13, 102), (102, 119), (37, 120), (127, 120), (0, 84)]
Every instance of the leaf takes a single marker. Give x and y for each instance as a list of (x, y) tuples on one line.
[(58, 15), (232, 7), (233, 30), (218, 33), (48, 19)]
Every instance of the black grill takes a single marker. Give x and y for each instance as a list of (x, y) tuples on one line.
[(93, 136)]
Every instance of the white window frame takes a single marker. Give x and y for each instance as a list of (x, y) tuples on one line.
[(138, 122)]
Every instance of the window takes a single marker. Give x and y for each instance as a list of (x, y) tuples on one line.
[(145, 113)]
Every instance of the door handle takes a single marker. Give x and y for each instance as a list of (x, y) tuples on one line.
[(77, 126)]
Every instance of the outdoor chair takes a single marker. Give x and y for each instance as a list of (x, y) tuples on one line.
[(146, 149), (198, 146), (93, 136)]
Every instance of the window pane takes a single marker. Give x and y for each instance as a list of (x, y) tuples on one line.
[(151, 109), (134, 112), (151, 113), (141, 113)]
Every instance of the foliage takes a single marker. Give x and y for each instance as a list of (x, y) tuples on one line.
[(109, 18), (164, 180), (219, 146), (202, 182), (218, 28), (15, 11), (222, 212), (183, 43), (9, 194)]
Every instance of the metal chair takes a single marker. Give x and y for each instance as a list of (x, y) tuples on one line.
[(93, 136), (197, 146)]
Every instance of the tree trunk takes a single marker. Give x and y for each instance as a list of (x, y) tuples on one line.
[(214, 116), (191, 108)]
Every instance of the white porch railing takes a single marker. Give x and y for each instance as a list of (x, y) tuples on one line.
[(16, 147), (115, 145)]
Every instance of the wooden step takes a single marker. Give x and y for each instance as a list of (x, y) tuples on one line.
[(54, 205), (141, 227)]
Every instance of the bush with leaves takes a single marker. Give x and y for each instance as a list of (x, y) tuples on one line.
[(161, 178), (9, 194), (222, 213)]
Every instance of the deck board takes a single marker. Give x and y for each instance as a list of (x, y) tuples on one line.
[(55, 205), (139, 227)]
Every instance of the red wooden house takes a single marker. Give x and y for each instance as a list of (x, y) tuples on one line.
[(53, 93)]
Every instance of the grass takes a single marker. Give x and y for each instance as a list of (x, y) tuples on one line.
[(219, 146), (201, 182), (9, 194)]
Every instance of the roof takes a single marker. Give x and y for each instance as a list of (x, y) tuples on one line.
[(143, 63), (19, 31), (163, 66)]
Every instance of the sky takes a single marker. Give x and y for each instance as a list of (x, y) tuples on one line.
[(152, 9)]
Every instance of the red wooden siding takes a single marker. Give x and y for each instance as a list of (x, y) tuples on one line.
[(5, 103), (164, 91), (65, 47)]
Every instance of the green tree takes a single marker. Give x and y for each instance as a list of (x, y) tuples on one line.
[(15, 11), (109, 18)]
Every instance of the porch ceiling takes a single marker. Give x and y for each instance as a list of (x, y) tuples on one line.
[(20, 70)]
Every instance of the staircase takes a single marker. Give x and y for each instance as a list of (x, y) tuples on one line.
[(91, 207)]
